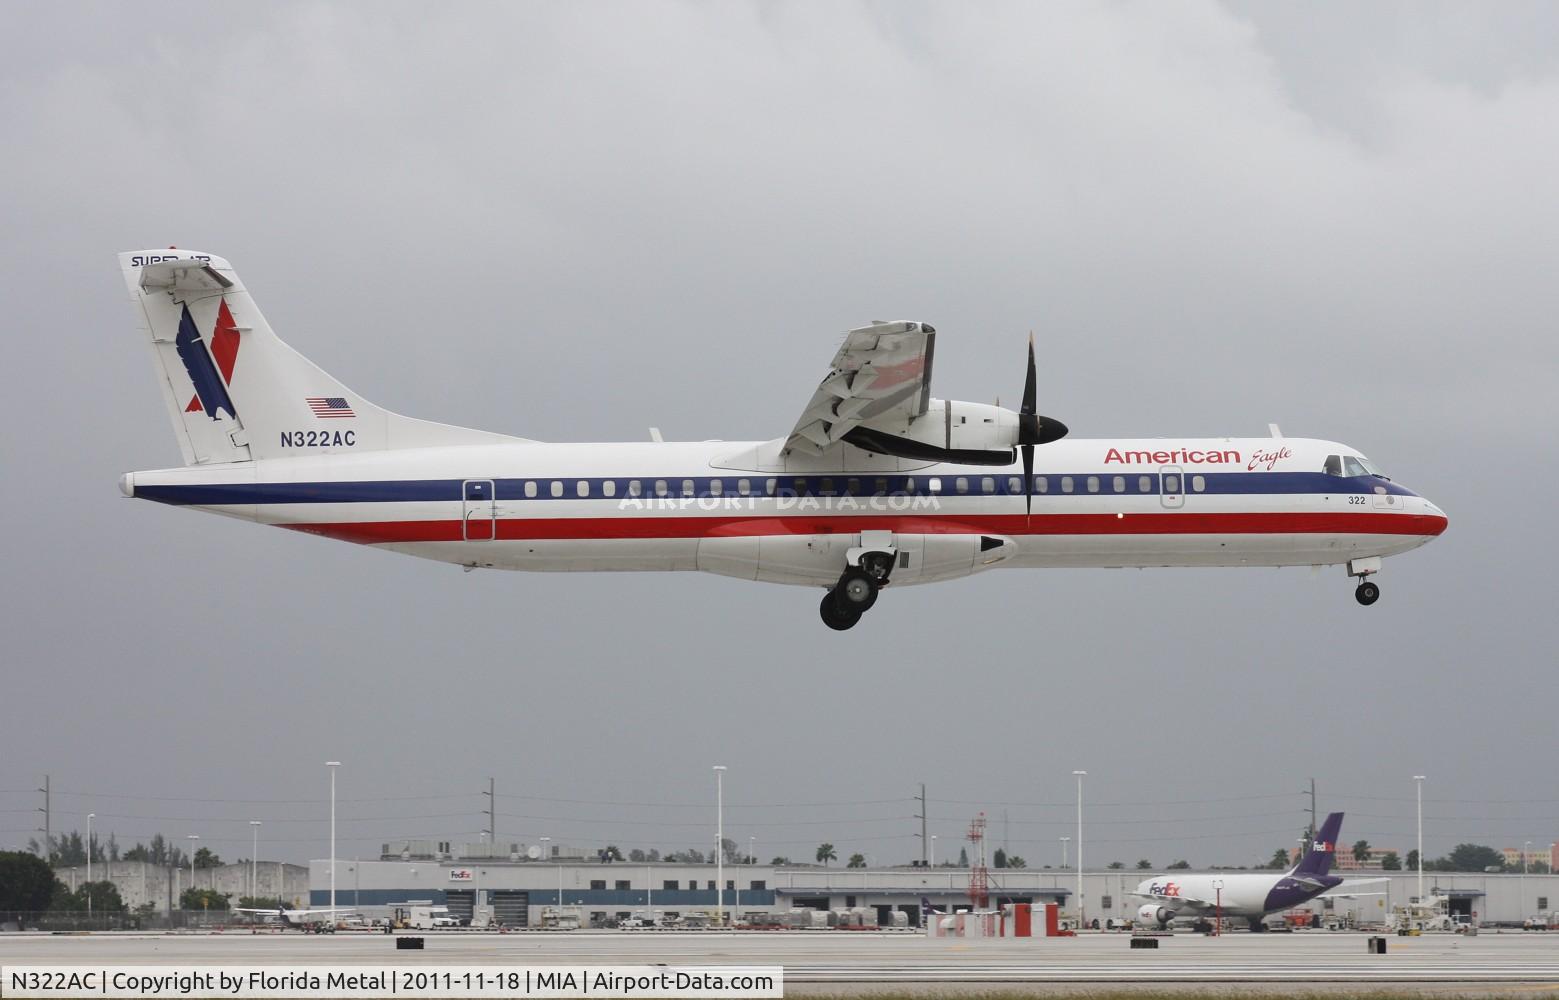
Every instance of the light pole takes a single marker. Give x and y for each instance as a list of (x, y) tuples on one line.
[(931, 857), (720, 844), (254, 864), (1418, 780), (192, 838), (548, 854), (332, 764), (1081, 912), (91, 816), (752, 858), (1064, 842), (1526, 849)]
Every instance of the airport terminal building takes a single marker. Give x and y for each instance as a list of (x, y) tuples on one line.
[(517, 889)]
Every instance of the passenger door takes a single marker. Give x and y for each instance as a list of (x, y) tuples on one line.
[(478, 510)]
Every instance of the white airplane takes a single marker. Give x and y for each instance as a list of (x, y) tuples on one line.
[(878, 484), (314, 919), (1249, 895)]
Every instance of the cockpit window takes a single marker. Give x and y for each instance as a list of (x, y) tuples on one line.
[(1333, 465)]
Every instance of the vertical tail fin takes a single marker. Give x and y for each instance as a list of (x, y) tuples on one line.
[(1318, 861), (235, 391)]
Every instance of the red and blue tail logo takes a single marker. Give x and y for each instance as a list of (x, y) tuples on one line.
[(210, 377)]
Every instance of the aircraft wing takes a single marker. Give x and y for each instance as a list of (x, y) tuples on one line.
[(882, 370), (1175, 902)]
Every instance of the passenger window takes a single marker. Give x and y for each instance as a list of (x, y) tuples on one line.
[(770, 485), (1014, 485), (1171, 484), (635, 488), (715, 486), (961, 484), (800, 486), (826, 488), (1066, 484), (582, 487), (1144, 484), (1041, 484), (1199, 483), (660, 487), (852, 487), (1093, 484), (743, 486), (530, 488), (1333, 465), (882, 486), (987, 485), (934, 485), (609, 488), (687, 488), (557, 488), (1119, 483)]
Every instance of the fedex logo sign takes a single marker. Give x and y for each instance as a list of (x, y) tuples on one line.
[(1325, 846), (1165, 888)]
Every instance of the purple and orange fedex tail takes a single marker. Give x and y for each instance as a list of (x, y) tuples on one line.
[(235, 391), (1318, 860)]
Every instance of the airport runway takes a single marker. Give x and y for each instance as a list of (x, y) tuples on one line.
[(855, 962)]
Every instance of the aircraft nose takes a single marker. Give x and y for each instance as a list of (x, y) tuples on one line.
[(1437, 519)]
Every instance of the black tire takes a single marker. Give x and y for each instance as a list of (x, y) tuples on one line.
[(856, 590), (835, 617), (1367, 594)]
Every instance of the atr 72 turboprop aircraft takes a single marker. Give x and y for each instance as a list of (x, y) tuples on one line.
[(1247, 895), (878, 484)]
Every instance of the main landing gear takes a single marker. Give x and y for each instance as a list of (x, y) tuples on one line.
[(853, 595), (1366, 593)]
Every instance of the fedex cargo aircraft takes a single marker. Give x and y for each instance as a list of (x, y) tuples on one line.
[(1248, 895), (878, 485)]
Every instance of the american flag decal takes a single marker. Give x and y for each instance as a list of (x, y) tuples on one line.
[(326, 407)]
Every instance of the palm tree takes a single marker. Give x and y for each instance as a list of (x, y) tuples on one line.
[(1116, 865), (857, 861), (1016, 861), (1144, 865), (1361, 851), (826, 853)]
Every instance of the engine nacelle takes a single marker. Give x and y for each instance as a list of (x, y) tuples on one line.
[(949, 431), (1160, 915)]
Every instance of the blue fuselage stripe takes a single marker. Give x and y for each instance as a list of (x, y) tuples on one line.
[(542, 488)]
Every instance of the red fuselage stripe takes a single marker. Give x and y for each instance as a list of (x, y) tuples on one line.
[(642, 527)]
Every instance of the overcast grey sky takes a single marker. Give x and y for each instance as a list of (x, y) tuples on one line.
[(573, 221)]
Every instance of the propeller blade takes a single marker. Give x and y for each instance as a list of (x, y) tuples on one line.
[(1028, 482), (1030, 389)]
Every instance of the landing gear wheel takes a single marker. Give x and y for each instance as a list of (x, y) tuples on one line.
[(856, 590), (1367, 593), (834, 616)]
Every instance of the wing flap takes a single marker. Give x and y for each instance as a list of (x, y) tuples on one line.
[(881, 372)]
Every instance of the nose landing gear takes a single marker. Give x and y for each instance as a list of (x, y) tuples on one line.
[(1366, 593)]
